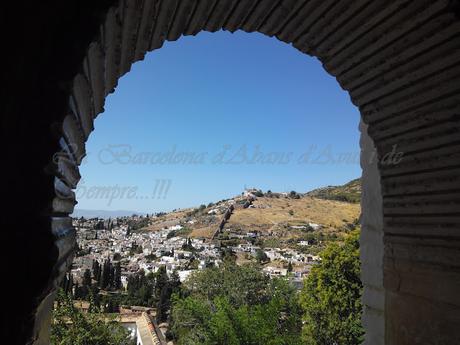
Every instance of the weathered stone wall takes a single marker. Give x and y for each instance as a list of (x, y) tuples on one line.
[(371, 243), (399, 61), (43, 45)]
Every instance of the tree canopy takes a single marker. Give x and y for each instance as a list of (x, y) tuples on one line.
[(331, 297), (73, 327), (235, 305)]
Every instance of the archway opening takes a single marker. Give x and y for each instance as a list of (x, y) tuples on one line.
[(251, 101), (229, 123)]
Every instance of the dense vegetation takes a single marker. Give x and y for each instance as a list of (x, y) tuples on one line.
[(234, 305), (73, 327), (151, 290), (239, 305), (331, 297), (349, 192)]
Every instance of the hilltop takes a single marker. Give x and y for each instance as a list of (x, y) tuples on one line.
[(349, 192), (276, 218)]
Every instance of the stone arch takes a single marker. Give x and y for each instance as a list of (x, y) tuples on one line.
[(398, 61)]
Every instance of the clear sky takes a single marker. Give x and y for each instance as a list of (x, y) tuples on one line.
[(204, 117)]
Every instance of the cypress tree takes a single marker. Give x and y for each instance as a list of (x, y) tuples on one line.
[(104, 276), (69, 290), (77, 292), (160, 282), (164, 303), (117, 276), (87, 278)]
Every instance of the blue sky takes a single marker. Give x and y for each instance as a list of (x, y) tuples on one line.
[(206, 116)]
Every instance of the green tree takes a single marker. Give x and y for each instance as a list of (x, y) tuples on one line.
[(259, 193), (87, 278), (235, 305), (228, 254), (67, 283), (191, 317), (72, 327), (117, 276), (331, 297), (116, 257), (161, 281), (166, 287), (293, 194), (84, 290), (240, 284), (96, 271), (111, 304), (221, 326), (141, 289), (261, 257)]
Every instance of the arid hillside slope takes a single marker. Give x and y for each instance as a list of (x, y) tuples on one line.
[(333, 209)]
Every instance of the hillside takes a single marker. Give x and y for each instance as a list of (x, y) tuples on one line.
[(349, 192), (281, 214), (329, 210)]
